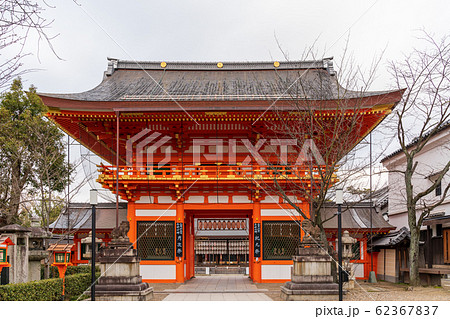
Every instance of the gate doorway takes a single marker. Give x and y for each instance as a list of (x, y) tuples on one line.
[(219, 242)]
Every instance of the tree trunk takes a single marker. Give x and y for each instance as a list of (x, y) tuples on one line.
[(17, 185), (326, 245), (13, 211), (414, 278)]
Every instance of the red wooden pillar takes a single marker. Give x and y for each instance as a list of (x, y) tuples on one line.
[(131, 217), (256, 269), (179, 261), (189, 251), (250, 246)]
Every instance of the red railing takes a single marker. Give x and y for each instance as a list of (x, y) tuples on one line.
[(206, 172)]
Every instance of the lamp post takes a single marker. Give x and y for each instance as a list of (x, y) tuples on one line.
[(93, 200), (339, 202)]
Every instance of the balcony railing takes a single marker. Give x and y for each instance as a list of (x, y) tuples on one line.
[(207, 172)]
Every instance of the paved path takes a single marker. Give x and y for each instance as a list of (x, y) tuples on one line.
[(217, 288)]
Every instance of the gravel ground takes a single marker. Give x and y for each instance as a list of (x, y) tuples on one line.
[(385, 291)]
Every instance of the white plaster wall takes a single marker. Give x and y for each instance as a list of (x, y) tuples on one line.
[(430, 161), (156, 212), (222, 199), (271, 199), (145, 200), (292, 199), (165, 200), (276, 272), (158, 271), (195, 200), (358, 270), (241, 199), (279, 212)]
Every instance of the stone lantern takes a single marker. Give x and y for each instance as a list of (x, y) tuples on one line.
[(347, 254), (36, 249), (88, 242)]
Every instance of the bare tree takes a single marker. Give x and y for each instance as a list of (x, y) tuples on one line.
[(20, 19), (423, 111), (327, 134)]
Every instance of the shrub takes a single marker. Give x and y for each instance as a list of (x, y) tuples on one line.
[(42, 290), (48, 289), (77, 284), (71, 270)]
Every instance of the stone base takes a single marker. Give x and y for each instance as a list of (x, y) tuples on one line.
[(349, 284), (372, 277), (120, 280), (445, 283), (143, 295), (309, 295)]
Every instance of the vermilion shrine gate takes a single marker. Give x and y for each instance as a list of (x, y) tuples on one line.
[(158, 126)]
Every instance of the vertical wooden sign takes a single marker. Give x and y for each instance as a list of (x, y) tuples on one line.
[(257, 239), (179, 240)]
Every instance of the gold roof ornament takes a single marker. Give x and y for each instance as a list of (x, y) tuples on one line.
[(220, 65), (163, 64), (276, 64)]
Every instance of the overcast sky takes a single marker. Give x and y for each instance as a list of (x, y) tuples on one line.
[(233, 30)]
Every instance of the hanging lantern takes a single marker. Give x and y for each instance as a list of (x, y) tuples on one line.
[(4, 243)]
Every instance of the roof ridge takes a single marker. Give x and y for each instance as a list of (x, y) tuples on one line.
[(118, 64)]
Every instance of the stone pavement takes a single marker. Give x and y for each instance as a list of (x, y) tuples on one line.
[(217, 288)]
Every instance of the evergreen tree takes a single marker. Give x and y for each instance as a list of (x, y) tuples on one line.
[(32, 154)]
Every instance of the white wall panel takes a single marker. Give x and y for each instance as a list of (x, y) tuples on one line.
[(279, 212), (156, 212), (241, 199), (271, 199), (358, 270), (222, 199), (276, 272), (195, 200), (165, 200), (145, 200), (158, 271)]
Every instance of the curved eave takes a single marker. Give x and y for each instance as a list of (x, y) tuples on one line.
[(372, 101)]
